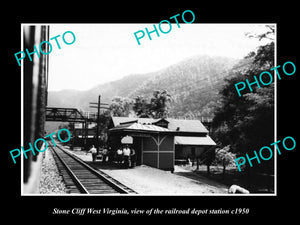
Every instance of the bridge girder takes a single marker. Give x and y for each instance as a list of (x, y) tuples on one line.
[(64, 115)]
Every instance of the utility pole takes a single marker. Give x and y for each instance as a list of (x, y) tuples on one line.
[(98, 118)]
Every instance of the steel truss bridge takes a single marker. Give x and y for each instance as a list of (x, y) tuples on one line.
[(73, 115), (66, 115)]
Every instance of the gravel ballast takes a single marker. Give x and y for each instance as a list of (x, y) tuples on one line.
[(50, 182)]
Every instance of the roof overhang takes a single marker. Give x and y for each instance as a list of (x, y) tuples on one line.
[(200, 141), (173, 133)]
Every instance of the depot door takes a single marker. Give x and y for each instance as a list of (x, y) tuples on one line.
[(137, 146)]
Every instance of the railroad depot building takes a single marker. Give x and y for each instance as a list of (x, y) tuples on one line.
[(158, 142)]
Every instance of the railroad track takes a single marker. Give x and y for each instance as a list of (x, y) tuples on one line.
[(81, 178)]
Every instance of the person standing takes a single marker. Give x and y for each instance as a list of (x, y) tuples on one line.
[(132, 158), (93, 150), (126, 153), (104, 155), (119, 156)]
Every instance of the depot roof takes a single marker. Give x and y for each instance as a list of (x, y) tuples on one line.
[(140, 127), (173, 124)]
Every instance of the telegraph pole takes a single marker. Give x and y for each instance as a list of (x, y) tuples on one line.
[(98, 118)]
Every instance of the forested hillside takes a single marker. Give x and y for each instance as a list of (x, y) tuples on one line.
[(193, 85)]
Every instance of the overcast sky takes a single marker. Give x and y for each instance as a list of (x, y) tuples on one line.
[(107, 52)]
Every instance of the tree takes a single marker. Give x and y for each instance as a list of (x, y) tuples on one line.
[(225, 157), (208, 158), (141, 107), (104, 120), (64, 134), (157, 107), (269, 34), (159, 104), (120, 106), (247, 122)]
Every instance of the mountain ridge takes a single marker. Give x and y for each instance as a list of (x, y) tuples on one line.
[(193, 84)]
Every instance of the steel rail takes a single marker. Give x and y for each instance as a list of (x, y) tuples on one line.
[(112, 184), (80, 186), (91, 169)]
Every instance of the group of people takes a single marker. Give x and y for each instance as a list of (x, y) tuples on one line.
[(103, 152), (125, 156)]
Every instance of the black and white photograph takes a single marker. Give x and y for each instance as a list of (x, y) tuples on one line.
[(136, 112), (111, 111)]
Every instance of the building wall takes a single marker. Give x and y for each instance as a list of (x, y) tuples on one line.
[(187, 151), (114, 141), (158, 152)]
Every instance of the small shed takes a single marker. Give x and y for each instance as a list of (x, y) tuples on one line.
[(192, 147)]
